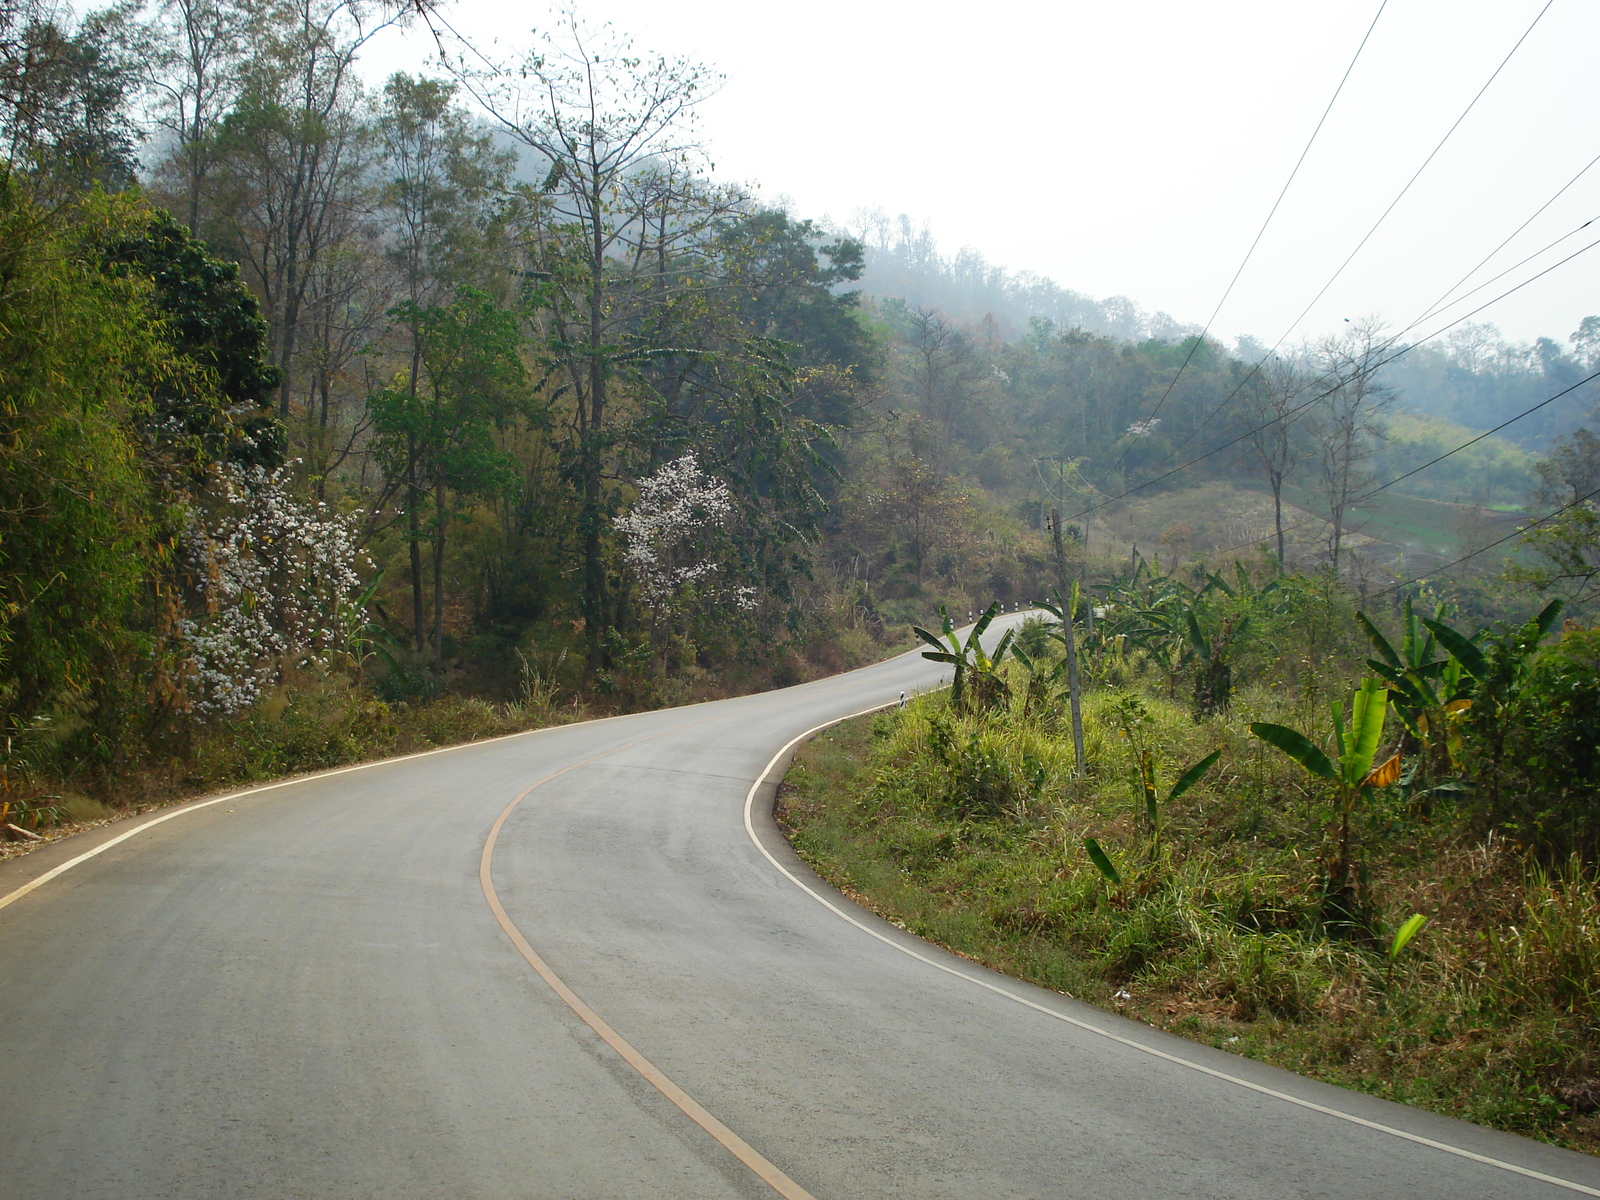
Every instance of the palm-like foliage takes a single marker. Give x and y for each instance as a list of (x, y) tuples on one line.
[(1351, 770), (1430, 691), (976, 668)]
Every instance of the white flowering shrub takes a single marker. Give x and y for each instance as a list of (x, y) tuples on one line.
[(671, 537), (277, 583)]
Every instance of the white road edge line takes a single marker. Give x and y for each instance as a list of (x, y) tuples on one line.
[(61, 869), (749, 828)]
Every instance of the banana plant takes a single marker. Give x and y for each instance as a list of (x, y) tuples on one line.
[(1498, 669), (1154, 806), (969, 657), (1351, 771), (1431, 692), (1044, 680), (1213, 682)]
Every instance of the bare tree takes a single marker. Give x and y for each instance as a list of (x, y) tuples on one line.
[(1344, 422), (292, 156), (600, 227), (195, 55), (1269, 406)]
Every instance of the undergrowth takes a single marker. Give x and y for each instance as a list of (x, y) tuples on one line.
[(968, 829)]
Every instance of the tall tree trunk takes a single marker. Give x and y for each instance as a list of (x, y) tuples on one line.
[(594, 576), (1277, 513), (441, 516), (414, 536)]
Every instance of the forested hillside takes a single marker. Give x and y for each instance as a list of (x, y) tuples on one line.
[(341, 417)]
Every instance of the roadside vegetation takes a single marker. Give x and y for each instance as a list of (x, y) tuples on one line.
[(1358, 843), (341, 417)]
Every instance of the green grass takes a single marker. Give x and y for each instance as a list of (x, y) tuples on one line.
[(969, 831), (1432, 526)]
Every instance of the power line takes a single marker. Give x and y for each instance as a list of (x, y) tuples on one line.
[(1440, 302), (1487, 433), (1299, 408), (1206, 420), (1497, 542), (1365, 496), (1368, 237), (1401, 333), (1418, 174), (1299, 162)]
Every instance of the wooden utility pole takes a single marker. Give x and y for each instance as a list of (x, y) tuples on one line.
[(1088, 598), (1069, 639)]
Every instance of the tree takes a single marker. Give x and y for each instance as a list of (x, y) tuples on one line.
[(1268, 405), (1569, 542), (292, 159), (599, 232), (221, 412), (194, 55), (1570, 473), (1585, 341), (676, 543), (1345, 420), (64, 91), (940, 355), (436, 430), (78, 526), (439, 178)]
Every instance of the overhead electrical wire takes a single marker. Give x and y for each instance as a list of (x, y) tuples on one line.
[(1404, 350), (1226, 400), (1260, 233), (1497, 542), (1441, 301), (1418, 173), (1383, 487), (1368, 237), (1438, 304)]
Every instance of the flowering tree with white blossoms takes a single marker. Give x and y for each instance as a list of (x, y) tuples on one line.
[(277, 583), (671, 539)]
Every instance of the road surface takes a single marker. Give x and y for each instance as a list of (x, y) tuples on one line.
[(567, 965)]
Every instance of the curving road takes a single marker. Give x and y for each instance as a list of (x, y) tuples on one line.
[(567, 965)]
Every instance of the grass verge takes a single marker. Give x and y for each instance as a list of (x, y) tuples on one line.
[(1489, 1016)]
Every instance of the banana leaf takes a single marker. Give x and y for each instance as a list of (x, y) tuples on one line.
[(1297, 746)]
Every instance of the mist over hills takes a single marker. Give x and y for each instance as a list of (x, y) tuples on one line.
[(1471, 376)]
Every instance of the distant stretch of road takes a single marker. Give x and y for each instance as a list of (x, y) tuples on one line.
[(568, 966)]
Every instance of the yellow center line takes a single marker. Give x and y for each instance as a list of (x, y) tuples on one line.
[(742, 1150)]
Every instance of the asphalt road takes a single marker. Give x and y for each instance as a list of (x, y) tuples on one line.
[(309, 991)]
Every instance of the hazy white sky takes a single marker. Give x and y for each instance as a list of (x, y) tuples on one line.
[(1136, 147)]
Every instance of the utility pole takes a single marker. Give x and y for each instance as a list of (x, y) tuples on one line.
[(1069, 638), (1088, 596)]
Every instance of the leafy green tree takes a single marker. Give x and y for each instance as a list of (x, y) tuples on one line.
[(78, 530), (790, 278), (217, 407), (438, 432), (439, 178)]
